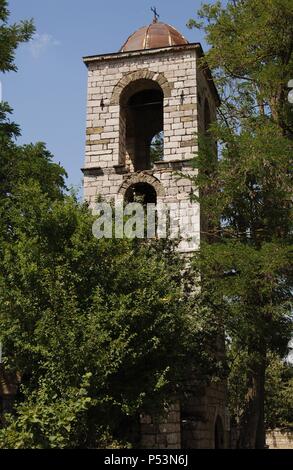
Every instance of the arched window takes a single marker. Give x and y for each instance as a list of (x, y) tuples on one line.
[(141, 118), (144, 194)]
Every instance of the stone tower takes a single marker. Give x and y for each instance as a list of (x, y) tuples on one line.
[(154, 86)]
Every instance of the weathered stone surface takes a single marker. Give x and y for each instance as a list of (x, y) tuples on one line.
[(188, 143), (279, 439), (142, 177), (94, 130), (98, 142), (148, 441), (187, 107)]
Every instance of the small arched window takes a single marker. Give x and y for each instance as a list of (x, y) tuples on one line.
[(145, 195)]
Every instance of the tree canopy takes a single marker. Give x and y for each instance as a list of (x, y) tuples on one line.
[(96, 331), (246, 195)]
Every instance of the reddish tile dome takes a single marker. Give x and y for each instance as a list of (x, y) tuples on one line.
[(155, 35)]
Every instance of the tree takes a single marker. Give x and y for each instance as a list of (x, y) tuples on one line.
[(278, 406), (251, 58), (248, 289), (97, 330), (279, 394), (111, 311), (27, 163), (246, 194), (11, 37)]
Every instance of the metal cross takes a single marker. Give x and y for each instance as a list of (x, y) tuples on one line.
[(156, 15)]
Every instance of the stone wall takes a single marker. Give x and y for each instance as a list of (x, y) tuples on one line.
[(174, 72), (163, 433), (279, 439), (189, 426), (199, 419), (171, 185)]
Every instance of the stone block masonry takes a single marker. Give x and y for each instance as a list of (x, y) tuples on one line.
[(163, 432), (279, 439), (108, 78)]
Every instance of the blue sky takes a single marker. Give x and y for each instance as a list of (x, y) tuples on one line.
[(48, 93)]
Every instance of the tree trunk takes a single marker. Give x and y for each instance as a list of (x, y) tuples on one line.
[(252, 428)]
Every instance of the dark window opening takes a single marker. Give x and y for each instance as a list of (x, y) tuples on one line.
[(142, 193)]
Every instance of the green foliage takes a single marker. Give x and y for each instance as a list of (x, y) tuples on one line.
[(249, 188), (8, 130), (72, 305), (102, 330), (279, 388), (251, 57), (246, 195), (98, 330), (11, 36), (46, 421), (279, 394), (251, 288)]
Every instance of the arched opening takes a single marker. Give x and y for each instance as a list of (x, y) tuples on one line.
[(142, 192), (219, 434), (141, 118)]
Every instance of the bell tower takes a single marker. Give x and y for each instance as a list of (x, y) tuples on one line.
[(151, 91), (146, 105)]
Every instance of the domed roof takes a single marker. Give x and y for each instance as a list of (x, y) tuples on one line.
[(155, 35)]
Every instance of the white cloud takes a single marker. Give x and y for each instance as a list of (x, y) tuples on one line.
[(40, 43)]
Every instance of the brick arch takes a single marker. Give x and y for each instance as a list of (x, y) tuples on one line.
[(146, 74), (142, 178)]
